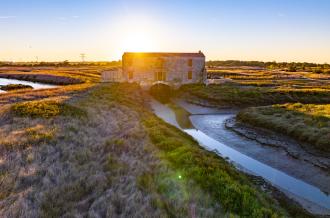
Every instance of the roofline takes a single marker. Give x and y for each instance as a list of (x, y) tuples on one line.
[(194, 54)]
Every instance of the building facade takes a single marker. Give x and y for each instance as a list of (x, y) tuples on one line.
[(170, 68)]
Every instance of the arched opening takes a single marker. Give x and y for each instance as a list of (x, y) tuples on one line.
[(161, 92)]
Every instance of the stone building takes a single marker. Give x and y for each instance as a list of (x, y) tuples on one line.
[(169, 68)]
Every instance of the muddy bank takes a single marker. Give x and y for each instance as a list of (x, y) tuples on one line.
[(212, 121), (269, 138), (43, 78)]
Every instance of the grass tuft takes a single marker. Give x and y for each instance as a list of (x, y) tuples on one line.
[(46, 109)]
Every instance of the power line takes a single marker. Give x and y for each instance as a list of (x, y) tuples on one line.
[(82, 55)]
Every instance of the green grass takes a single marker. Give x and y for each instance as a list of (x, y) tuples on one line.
[(46, 109), (214, 175), (305, 122), (230, 95)]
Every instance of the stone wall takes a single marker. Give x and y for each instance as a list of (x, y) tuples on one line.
[(145, 69)]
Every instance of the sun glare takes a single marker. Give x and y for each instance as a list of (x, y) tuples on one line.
[(137, 41), (136, 34)]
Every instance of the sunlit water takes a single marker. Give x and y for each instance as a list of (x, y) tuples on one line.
[(34, 85), (298, 189)]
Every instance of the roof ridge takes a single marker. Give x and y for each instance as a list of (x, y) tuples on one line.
[(196, 54)]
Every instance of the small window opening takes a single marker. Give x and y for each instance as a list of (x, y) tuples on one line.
[(160, 76), (190, 75), (130, 75), (190, 62)]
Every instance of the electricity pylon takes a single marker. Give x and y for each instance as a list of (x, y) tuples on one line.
[(83, 57)]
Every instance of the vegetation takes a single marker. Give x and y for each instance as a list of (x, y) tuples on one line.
[(161, 92), (231, 95), (46, 109), (61, 64), (43, 78), (13, 87), (80, 150), (307, 123), (290, 67), (214, 175), (75, 79)]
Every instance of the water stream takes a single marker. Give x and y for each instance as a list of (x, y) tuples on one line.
[(34, 85), (309, 196)]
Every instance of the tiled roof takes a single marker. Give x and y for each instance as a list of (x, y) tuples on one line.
[(164, 54)]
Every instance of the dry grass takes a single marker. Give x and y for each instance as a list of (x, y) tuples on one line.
[(86, 77), (106, 163), (273, 78), (100, 166)]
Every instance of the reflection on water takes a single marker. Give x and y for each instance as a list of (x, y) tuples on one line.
[(276, 177), (4, 82)]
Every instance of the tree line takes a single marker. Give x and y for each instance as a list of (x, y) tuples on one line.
[(288, 66), (61, 64)]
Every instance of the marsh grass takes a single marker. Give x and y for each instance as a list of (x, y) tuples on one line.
[(306, 122), (226, 186), (119, 161), (13, 87), (214, 175), (231, 95), (46, 109), (24, 137)]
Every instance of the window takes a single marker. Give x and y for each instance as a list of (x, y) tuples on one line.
[(160, 76), (190, 62), (190, 75), (130, 74)]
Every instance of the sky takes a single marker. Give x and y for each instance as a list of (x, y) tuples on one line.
[(58, 30)]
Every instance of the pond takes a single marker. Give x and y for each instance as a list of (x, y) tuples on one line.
[(35, 85), (309, 196)]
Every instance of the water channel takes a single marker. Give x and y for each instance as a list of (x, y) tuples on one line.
[(210, 132)]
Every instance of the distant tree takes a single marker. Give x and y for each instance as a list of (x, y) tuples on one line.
[(292, 68)]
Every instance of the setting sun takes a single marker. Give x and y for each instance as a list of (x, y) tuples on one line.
[(136, 34), (177, 108), (138, 41)]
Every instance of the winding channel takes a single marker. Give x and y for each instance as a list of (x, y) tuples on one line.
[(34, 85), (309, 196)]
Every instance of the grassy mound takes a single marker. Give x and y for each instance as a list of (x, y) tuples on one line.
[(46, 109), (13, 87), (305, 122)]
